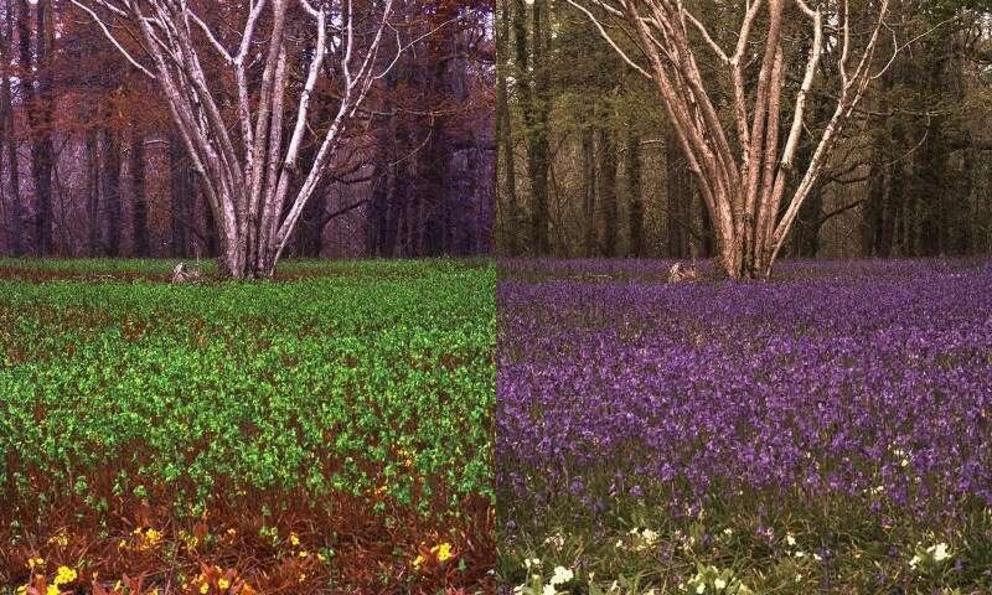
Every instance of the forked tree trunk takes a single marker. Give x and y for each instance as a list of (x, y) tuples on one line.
[(747, 177), (250, 168)]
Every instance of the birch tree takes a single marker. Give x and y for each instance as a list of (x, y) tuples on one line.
[(226, 71), (740, 133)]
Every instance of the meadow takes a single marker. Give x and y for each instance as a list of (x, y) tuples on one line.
[(329, 431), (829, 431)]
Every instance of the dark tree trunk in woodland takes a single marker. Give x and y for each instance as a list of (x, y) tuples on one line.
[(16, 215), (39, 89), (534, 85), (112, 193), (182, 187), (309, 233), (140, 210), (880, 208), (310, 230), (504, 135), (93, 182), (607, 159), (963, 242), (212, 244), (806, 233), (678, 184), (465, 184), (381, 218), (634, 196), (707, 245), (589, 191)]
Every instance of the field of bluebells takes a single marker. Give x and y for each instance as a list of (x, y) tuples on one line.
[(328, 432), (828, 431)]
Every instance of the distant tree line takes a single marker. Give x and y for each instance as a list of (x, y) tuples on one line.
[(94, 165), (590, 164)]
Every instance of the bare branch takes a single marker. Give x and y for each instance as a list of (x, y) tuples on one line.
[(110, 37)]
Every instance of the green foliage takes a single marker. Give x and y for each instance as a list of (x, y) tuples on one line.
[(364, 378)]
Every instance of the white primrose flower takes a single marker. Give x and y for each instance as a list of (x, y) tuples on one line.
[(649, 537), (939, 552), (562, 575), (557, 540)]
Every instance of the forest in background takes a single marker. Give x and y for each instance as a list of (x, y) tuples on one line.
[(92, 164), (590, 166)]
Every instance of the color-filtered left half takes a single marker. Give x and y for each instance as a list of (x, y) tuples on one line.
[(247, 304)]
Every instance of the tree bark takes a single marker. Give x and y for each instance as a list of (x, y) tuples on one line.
[(635, 196), (250, 169), (534, 89), (679, 198), (504, 135), (93, 183), (139, 225), (112, 192), (742, 175), (589, 191), (181, 190), (17, 218), (38, 87), (607, 158)]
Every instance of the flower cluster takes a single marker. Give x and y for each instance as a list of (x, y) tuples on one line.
[(710, 579), (439, 554), (862, 381), (535, 585), (930, 557)]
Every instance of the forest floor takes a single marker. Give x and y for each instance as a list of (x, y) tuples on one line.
[(326, 432), (828, 431)]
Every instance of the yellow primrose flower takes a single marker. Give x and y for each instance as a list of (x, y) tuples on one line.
[(294, 539), (204, 588), (65, 575), (442, 551), (189, 539), (418, 561), (52, 590), (60, 539), (33, 562), (304, 554), (223, 584)]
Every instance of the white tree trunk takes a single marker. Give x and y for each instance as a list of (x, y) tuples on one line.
[(253, 182), (747, 172)]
